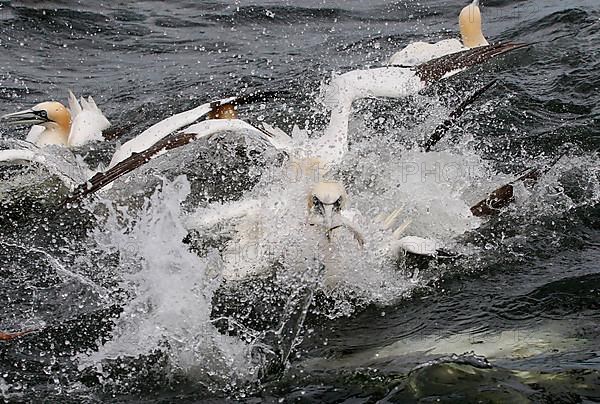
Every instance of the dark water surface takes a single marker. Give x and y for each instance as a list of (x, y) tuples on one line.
[(521, 317)]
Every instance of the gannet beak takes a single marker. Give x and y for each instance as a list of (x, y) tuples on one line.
[(328, 217), (329, 222), (26, 117)]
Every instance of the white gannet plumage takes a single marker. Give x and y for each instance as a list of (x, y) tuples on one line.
[(469, 22), (86, 124), (323, 153), (54, 124), (386, 82), (344, 89), (88, 121)]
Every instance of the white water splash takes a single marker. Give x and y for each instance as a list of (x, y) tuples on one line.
[(172, 288), (571, 183), (171, 291)]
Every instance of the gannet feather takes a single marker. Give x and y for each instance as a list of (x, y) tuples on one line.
[(88, 121), (417, 245), (74, 105), (417, 53)]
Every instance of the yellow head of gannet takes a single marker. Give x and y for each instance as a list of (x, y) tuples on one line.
[(469, 22), (326, 201), (224, 111), (52, 115)]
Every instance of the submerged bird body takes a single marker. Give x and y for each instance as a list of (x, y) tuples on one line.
[(295, 220), (469, 22), (326, 211)]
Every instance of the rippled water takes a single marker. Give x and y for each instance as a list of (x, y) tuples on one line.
[(128, 312)]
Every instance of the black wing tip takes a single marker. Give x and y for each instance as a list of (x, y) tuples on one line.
[(503, 47), (441, 129), (250, 97), (436, 69)]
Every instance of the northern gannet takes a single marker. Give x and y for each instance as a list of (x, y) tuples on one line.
[(393, 82), (55, 130), (469, 21), (221, 117), (389, 82), (54, 124), (327, 150)]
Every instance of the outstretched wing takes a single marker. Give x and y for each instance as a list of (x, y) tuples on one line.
[(17, 156), (215, 215), (9, 336), (203, 130), (162, 129), (181, 120), (503, 196), (441, 129), (449, 65)]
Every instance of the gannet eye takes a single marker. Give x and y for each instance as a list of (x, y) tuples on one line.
[(318, 205), (42, 114), (337, 205)]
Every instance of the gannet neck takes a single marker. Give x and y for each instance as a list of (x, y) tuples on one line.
[(469, 22), (52, 135), (391, 82), (332, 146)]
